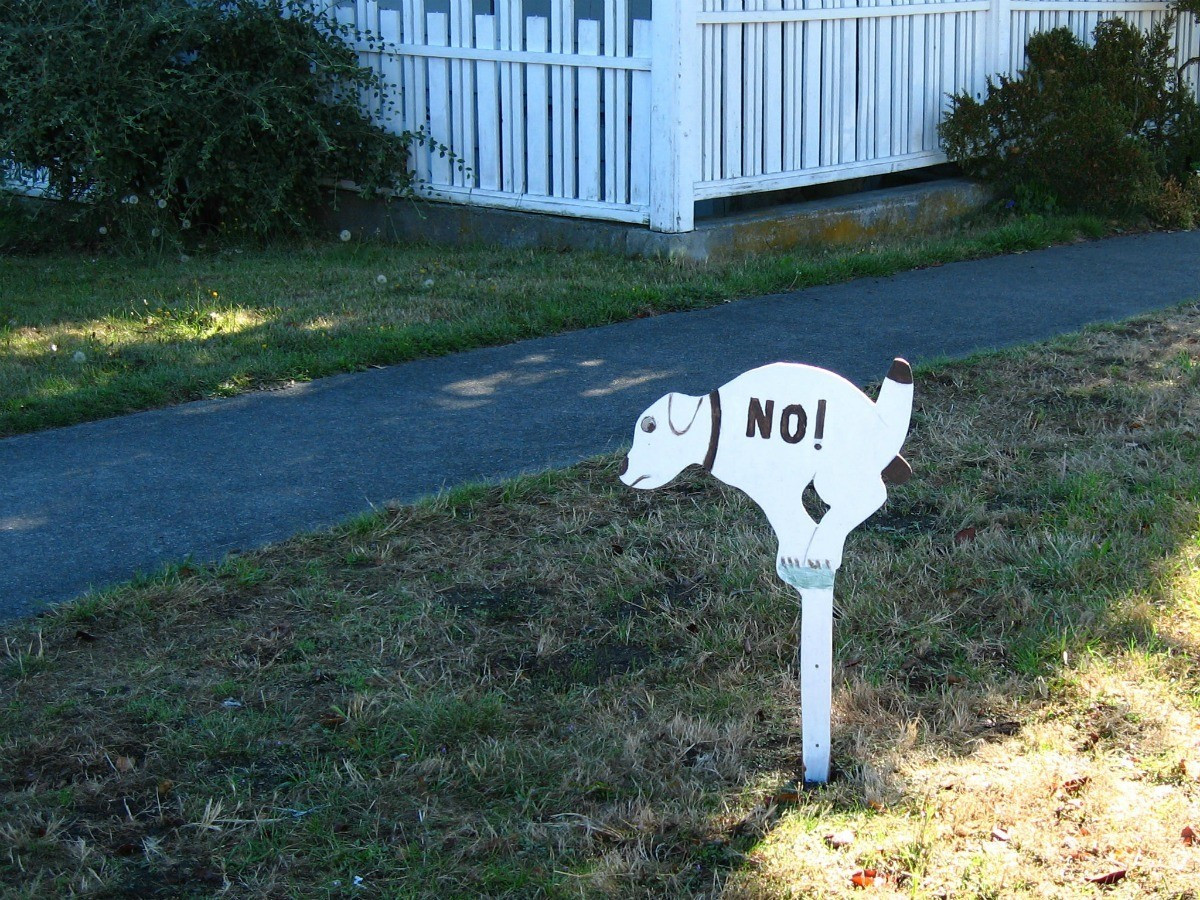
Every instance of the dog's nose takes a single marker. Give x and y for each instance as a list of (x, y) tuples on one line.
[(624, 466)]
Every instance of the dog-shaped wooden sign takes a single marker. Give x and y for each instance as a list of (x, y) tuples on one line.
[(771, 432)]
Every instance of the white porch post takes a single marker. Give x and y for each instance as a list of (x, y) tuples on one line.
[(1000, 26), (674, 115)]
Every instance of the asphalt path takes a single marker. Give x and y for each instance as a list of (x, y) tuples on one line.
[(94, 504)]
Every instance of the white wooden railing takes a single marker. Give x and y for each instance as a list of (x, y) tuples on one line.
[(24, 182), (616, 117), (549, 113), (590, 108), (812, 93)]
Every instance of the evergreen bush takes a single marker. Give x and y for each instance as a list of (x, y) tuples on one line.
[(162, 115), (1102, 128)]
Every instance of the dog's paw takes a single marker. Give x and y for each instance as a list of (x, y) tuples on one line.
[(825, 551), (802, 574)]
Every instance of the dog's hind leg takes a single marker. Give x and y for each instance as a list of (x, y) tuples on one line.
[(794, 528), (784, 504), (851, 501)]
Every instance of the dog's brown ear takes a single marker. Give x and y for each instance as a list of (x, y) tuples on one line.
[(675, 429), (897, 471)]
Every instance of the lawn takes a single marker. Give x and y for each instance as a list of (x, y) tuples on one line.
[(562, 687), (84, 337)]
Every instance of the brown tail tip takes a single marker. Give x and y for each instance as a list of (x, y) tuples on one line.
[(901, 371), (897, 471)]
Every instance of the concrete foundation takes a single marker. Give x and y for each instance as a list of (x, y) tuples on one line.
[(845, 219)]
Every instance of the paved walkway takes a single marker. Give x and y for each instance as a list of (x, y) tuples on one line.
[(93, 504)]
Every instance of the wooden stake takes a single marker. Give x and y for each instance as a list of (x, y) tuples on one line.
[(816, 680)]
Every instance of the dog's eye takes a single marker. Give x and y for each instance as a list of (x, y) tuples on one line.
[(648, 424)]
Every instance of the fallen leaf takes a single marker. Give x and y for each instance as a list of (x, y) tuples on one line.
[(1074, 785), (1109, 877), (863, 878), (965, 535), (165, 786), (124, 764), (1189, 835), (999, 834), (840, 839)]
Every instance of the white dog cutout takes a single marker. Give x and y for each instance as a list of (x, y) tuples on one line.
[(771, 432)]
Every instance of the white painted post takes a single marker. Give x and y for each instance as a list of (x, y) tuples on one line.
[(640, 133), (392, 117), (816, 680), (1000, 38), (711, 114), (487, 91), (812, 89), (462, 90), (538, 99), (848, 93), (734, 85), (752, 84), (675, 115), (440, 98), (590, 173)]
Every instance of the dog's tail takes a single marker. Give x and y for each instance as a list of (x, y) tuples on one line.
[(894, 407)]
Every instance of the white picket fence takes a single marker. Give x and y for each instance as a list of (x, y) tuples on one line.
[(589, 108), (634, 120)]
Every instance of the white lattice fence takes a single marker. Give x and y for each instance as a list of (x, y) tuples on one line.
[(1031, 16), (796, 93), (547, 113), (581, 107), (621, 118)]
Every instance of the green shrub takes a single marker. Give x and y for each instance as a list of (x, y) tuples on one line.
[(1100, 128), (161, 115)]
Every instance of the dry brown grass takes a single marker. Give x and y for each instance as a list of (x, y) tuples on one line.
[(562, 687)]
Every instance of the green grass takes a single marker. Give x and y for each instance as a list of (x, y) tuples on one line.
[(86, 336), (598, 698)]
